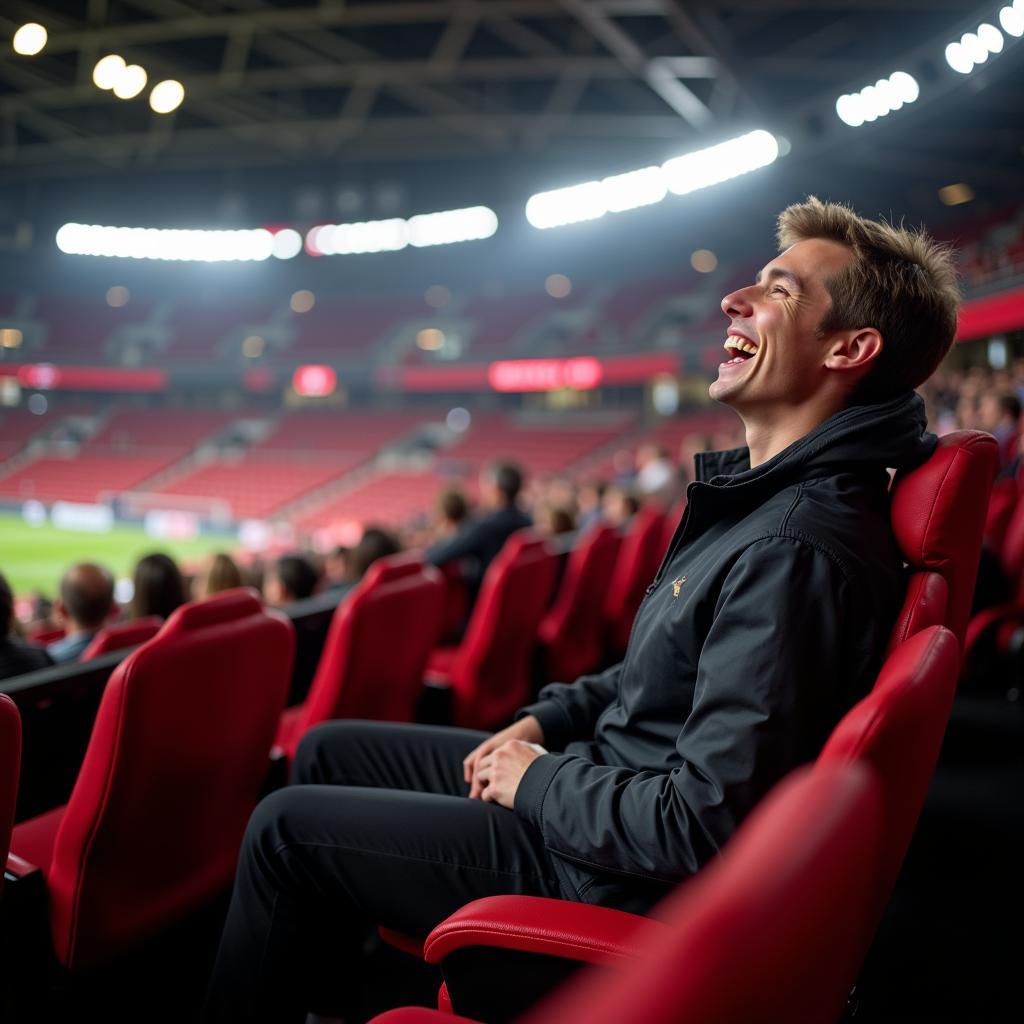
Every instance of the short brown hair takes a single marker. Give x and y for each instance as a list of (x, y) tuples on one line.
[(900, 281)]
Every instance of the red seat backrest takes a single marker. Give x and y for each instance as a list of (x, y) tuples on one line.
[(174, 766), (491, 673), (10, 766), (377, 646), (773, 931), (898, 730), (638, 561), (938, 515), (572, 631), (121, 635)]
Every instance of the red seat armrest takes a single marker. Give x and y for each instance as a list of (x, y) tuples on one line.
[(18, 867), (535, 924)]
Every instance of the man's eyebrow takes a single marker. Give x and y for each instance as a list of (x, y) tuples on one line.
[(777, 272)]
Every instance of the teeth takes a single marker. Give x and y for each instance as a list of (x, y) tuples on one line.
[(740, 344)]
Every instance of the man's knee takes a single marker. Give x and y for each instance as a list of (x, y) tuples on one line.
[(320, 749)]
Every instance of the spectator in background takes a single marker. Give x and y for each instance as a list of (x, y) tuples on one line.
[(452, 513), (336, 567), (619, 506), (85, 603), (654, 471), (158, 586), (16, 657), (291, 578), (555, 520), (999, 414), (588, 501), (222, 574), (477, 544), (376, 542)]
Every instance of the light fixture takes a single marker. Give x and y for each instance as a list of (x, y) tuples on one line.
[(287, 244), (165, 243), (130, 82), (1011, 18), (166, 96), (875, 101), (108, 70), (558, 286), (975, 48), (118, 296), (10, 337), (302, 301), (430, 339), (704, 261), (954, 195), (29, 39), (647, 185)]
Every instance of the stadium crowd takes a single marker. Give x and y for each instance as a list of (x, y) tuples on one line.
[(40, 629)]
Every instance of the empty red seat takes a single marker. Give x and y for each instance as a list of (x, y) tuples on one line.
[(10, 765), (121, 635), (573, 631), (174, 766), (376, 651), (638, 561), (489, 673)]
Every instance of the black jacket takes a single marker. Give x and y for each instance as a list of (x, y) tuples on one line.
[(17, 658), (767, 619), (478, 543)]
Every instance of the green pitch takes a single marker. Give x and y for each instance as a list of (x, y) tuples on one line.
[(35, 557)]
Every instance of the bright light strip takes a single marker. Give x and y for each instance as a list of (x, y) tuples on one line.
[(620, 192), (875, 101), (29, 39), (425, 229), (974, 48), (287, 244), (165, 244)]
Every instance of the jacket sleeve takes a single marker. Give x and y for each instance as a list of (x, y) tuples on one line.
[(772, 663), (569, 711), (465, 543)]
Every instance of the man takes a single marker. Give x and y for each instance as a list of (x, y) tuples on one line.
[(477, 544), (85, 603), (16, 657), (292, 578), (766, 620)]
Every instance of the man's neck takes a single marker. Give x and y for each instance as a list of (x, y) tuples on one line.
[(769, 435)]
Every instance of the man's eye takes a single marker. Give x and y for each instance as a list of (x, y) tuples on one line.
[(778, 289)]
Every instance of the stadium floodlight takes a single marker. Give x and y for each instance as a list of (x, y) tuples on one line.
[(974, 48), (165, 244), (681, 175), (875, 101), (287, 244), (166, 96), (364, 236), (29, 39), (108, 70), (448, 226), (1011, 18), (130, 82)]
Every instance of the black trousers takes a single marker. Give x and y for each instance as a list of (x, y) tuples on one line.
[(375, 829)]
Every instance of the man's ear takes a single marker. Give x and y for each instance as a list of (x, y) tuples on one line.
[(854, 350), (60, 613)]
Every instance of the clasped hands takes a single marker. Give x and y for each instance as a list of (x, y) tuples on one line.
[(495, 768)]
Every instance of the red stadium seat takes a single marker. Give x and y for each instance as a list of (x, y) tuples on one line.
[(173, 769), (121, 635), (572, 632), (898, 730), (10, 765), (638, 561), (376, 650), (489, 673), (772, 932), (938, 516)]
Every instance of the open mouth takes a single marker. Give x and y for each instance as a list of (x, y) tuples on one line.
[(739, 349)]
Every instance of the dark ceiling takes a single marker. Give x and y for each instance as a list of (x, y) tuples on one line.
[(351, 109)]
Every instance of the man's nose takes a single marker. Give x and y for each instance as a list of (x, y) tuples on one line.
[(736, 305)]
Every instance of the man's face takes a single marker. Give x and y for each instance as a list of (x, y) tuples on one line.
[(778, 317)]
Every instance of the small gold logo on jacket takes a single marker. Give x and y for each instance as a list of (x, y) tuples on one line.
[(677, 585)]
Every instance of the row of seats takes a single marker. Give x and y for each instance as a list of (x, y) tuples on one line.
[(152, 827)]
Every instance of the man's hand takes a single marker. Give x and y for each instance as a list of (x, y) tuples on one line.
[(526, 729), (501, 771)]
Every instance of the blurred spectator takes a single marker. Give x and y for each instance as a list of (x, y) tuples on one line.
[(85, 603), (16, 657), (589, 499), (619, 506), (654, 471), (999, 414), (452, 513), (554, 520), (336, 566), (159, 587), (291, 578), (479, 542), (222, 574), (375, 543)]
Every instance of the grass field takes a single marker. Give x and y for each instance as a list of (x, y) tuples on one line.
[(34, 557)]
